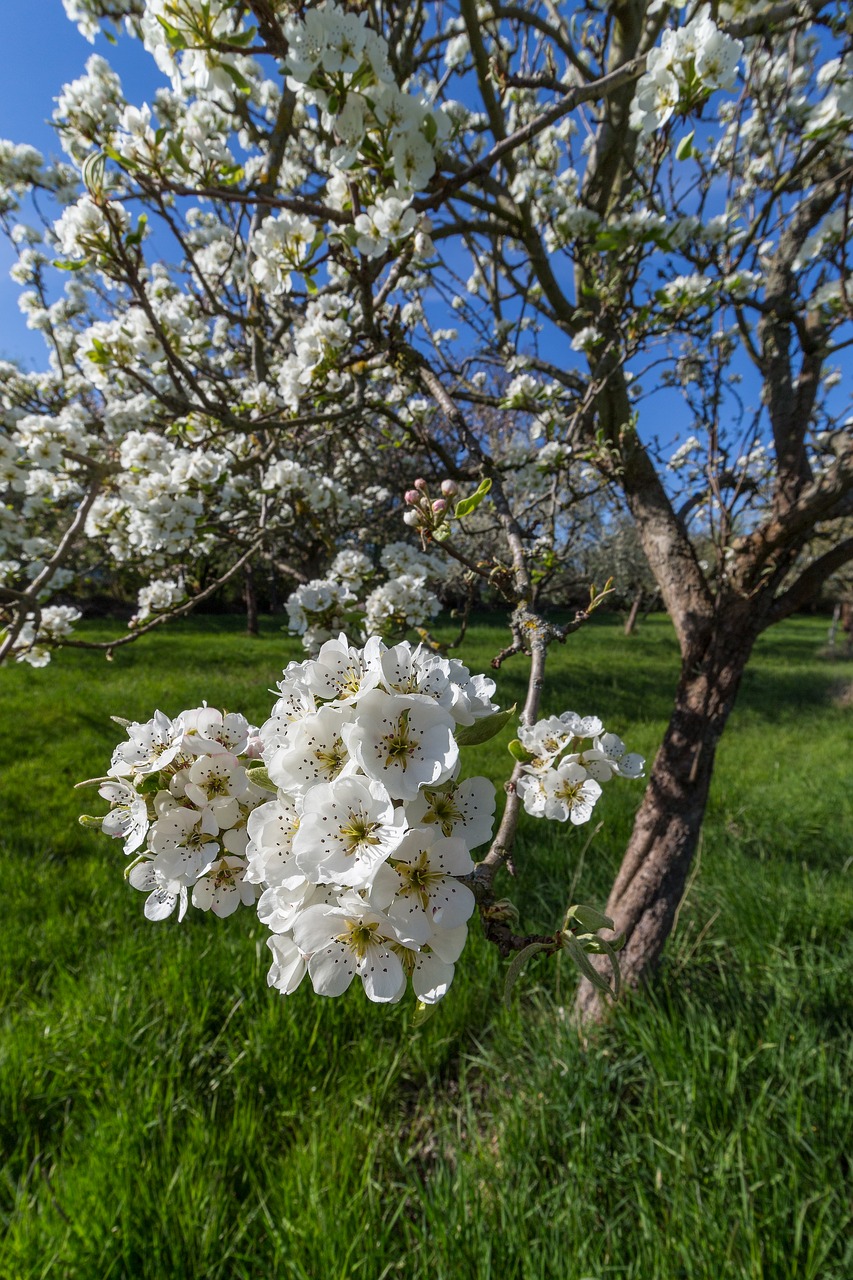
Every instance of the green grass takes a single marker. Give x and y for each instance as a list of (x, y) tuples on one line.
[(163, 1114)]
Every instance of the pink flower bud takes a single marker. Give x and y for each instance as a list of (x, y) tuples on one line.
[(421, 484), (439, 505), (412, 496), (449, 488)]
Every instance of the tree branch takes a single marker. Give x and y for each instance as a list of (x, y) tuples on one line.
[(810, 581)]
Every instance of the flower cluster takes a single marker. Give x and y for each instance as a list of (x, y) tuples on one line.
[(181, 35), (562, 776), (359, 856), (38, 633), (689, 63), (337, 62), (377, 131), (158, 596), (350, 596), (84, 229), (425, 512), (180, 791)]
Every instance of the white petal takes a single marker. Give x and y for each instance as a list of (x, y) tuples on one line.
[(315, 928), (159, 905), (431, 977), (288, 966), (632, 765), (449, 944), (332, 969), (381, 974), (143, 876), (451, 903)]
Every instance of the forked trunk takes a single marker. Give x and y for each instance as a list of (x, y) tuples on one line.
[(653, 875)]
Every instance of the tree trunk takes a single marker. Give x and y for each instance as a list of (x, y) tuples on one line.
[(631, 620), (251, 599), (273, 586), (653, 874)]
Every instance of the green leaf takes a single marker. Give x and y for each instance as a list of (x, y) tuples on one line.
[(589, 918), (601, 947), (518, 751), (607, 240), (92, 172), (685, 150), (578, 955), (465, 506), (176, 38), (242, 38), (151, 784), (135, 237), (423, 1013), (261, 778), (174, 150), (239, 79), (442, 533), (471, 735), (513, 973)]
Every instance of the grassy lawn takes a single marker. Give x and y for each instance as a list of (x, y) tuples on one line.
[(164, 1115)]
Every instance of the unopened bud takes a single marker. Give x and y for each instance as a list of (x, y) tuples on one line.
[(421, 484), (449, 488), (439, 506), (412, 518), (412, 496)]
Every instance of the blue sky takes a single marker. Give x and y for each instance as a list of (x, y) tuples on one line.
[(42, 51)]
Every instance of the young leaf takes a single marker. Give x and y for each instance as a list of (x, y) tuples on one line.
[(261, 778), (514, 970), (465, 506), (684, 150), (589, 918), (423, 1013), (237, 76), (579, 956), (471, 735)]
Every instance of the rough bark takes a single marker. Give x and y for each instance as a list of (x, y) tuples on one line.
[(653, 875)]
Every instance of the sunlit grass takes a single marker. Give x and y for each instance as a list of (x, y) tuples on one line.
[(163, 1114)]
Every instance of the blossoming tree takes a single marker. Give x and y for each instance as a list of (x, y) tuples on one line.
[(341, 235)]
